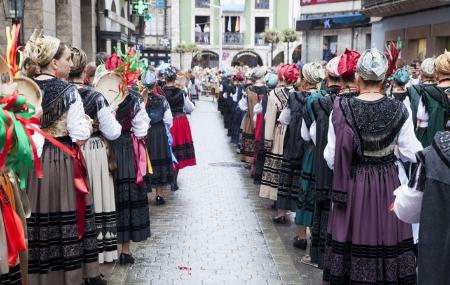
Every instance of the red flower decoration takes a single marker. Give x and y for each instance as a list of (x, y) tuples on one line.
[(347, 63), (112, 62)]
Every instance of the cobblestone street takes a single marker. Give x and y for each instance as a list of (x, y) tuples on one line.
[(215, 229)]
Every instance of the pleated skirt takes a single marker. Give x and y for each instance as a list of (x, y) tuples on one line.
[(102, 187), (133, 217), (160, 157), (56, 255)]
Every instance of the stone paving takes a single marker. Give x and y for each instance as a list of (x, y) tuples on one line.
[(215, 229)]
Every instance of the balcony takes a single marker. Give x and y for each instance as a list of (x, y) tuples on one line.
[(387, 8), (233, 39), (202, 3), (262, 4), (260, 40), (202, 38)]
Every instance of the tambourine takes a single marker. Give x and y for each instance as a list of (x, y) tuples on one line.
[(28, 88), (109, 84)]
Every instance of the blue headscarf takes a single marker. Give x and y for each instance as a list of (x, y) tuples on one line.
[(149, 78), (401, 76), (271, 79)]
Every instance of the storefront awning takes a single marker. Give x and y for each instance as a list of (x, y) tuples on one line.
[(233, 5), (332, 22)]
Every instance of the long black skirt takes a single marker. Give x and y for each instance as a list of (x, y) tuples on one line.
[(160, 157), (133, 217)]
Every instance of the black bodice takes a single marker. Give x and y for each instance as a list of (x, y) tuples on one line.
[(175, 97), (57, 97)]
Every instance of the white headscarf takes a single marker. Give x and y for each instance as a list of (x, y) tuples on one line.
[(332, 66), (427, 67), (313, 72), (372, 65)]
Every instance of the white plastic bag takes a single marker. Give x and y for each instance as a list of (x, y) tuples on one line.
[(285, 116), (243, 104), (258, 108), (235, 97), (188, 106)]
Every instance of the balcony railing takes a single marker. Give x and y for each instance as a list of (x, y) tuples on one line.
[(386, 8), (262, 4), (202, 38), (202, 3), (371, 3), (233, 39), (260, 40)]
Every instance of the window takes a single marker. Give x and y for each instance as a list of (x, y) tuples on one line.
[(442, 43), (202, 30), (422, 49), (202, 3), (329, 47), (262, 4), (261, 25), (232, 31)]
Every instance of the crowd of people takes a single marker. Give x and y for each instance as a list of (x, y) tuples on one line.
[(100, 135), (359, 149)]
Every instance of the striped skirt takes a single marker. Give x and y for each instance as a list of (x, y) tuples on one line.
[(56, 254)]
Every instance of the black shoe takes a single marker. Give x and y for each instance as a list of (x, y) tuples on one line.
[(300, 243), (125, 259), (279, 220), (174, 187), (160, 200), (95, 281), (274, 206)]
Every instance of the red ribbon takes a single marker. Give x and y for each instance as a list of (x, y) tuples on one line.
[(15, 236), (140, 159), (81, 186)]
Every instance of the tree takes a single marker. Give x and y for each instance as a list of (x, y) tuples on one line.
[(271, 36), (288, 36), (183, 48)]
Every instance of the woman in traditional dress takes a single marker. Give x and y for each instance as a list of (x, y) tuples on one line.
[(183, 146), (340, 83), (414, 91), (313, 75), (61, 208), (271, 81), (274, 133), (291, 116), (133, 217), (238, 114), (367, 243), (426, 199), (254, 93), (319, 128), (434, 104), (399, 91), (158, 110), (95, 152)]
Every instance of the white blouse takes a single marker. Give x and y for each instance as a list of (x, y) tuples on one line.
[(422, 115), (168, 118), (78, 126), (408, 144), (306, 136), (408, 202), (141, 122), (108, 125)]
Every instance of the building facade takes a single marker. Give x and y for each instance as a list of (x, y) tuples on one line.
[(328, 27), (93, 25), (232, 28), (423, 26)]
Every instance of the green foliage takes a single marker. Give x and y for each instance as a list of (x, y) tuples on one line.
[(288, 35), (271, 36)]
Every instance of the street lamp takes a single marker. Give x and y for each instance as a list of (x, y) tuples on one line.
[(14, 10)]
